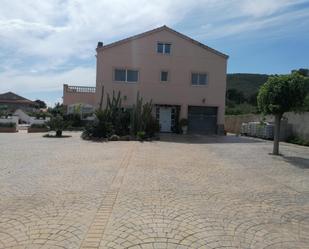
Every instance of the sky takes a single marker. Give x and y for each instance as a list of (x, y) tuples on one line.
[(45, 44)]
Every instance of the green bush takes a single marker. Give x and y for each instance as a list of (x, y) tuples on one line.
[(58, 124), (241, 109), (142, 118), (101, 127), (74, 120), (8, 125), (297, 140), (141, 135), (115, 120)]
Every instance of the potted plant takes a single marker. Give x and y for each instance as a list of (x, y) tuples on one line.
[(184, 125)]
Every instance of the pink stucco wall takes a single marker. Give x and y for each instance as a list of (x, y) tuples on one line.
[(78, 97), (186, 57)]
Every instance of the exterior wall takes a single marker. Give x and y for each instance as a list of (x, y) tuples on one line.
[(78, 97), (185, 57), (298, 124), (16, 106)]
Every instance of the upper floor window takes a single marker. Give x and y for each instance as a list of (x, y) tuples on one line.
[(126, 75), (164, 76), (164, 48), (198, 79)]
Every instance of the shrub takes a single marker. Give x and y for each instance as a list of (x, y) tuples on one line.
[(141, 135), (142, 119), (114, 138), (115, 120), (241, 109), (8, 125), (74, 120), (297, 140), (57, 124), (183, 122), (101, 127)]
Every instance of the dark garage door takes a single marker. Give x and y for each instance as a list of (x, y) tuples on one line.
[(202, 119)]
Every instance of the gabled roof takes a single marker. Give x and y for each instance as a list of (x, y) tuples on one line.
[(10, 97), (135, 37)]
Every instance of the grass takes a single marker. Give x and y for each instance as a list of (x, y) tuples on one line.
[(297, 140)]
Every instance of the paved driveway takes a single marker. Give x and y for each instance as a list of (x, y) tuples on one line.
[(180, 192)]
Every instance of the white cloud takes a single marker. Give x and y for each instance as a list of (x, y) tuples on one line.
[(32, 82), (37, 37)]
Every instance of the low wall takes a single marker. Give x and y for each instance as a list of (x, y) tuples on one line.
[(297, 123), (233, 122)]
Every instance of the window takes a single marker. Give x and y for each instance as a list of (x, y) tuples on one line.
[(164, 76), (132, 76), (199, 79), (164, 48), (167, 48), (126, 75), (160, 48), (120, 75)]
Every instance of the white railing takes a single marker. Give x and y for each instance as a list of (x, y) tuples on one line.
[(81, 89)]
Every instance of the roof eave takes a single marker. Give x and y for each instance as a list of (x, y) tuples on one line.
[(99, 49)]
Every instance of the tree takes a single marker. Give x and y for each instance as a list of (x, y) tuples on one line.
[(41, 103), (302, 71), (281, 94), (236, 96), (57, 110), (57, 124)]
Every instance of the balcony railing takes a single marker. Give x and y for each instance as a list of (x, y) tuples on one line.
[(81, 89)]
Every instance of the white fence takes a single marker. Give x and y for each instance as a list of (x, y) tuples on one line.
[(33, 120), (9, 119)]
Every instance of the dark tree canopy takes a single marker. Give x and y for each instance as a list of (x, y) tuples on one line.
[(282, 93), (41, 103), (236, 96), (58, 109), (302, 71)]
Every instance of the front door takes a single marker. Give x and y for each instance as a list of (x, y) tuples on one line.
[(165, 119)]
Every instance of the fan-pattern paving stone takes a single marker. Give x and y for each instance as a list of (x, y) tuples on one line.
[(180, 192)]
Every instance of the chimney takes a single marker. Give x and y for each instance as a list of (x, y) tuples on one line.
[(100, 44)]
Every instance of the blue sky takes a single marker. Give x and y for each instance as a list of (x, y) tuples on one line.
[(44, 44)]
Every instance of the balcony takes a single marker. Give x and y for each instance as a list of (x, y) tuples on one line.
[(79, 89)]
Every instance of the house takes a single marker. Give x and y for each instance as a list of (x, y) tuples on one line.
[(11, 102), (79, 98), (182, 77)]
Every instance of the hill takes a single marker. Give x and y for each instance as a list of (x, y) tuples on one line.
[(249, 84)]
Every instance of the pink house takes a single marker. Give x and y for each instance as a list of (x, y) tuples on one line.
[(79, 97), (182, 77)]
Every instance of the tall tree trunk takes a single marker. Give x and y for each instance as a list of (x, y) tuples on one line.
[(277, 134), (58, 133)]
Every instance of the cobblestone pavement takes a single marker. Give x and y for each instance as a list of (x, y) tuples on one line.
[(180, 192)]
